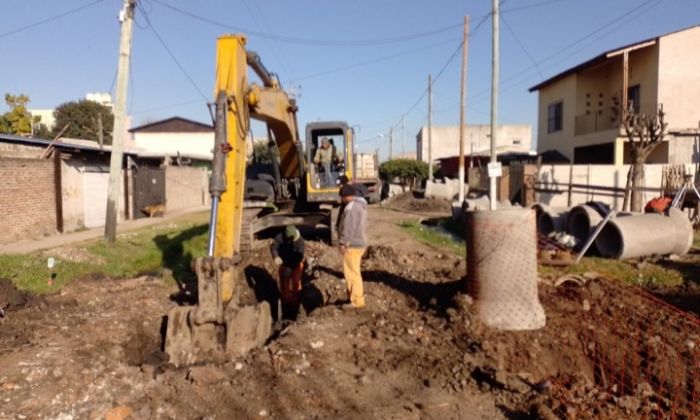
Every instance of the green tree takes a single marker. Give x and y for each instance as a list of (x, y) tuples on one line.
[(262, 152), (18, 120), (83, 118), (408, 171)]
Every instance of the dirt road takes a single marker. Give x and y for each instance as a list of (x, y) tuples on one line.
[(94, 349)]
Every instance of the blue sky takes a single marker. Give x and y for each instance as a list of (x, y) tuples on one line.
[(363, 61)]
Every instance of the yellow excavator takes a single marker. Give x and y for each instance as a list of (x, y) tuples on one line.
[(247, 204)]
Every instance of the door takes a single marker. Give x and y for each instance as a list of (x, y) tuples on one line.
[(149, 189), (95, 198)]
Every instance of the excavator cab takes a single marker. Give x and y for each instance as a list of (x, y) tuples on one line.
[(328, 146)]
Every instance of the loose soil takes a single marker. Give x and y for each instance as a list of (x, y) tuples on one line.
[(93, 350), (408, 202)]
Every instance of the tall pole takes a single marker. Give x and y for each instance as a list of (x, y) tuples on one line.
[(462, 114), (391, 143), (494, 104), (126, 16), (430, 127), (403, 137)]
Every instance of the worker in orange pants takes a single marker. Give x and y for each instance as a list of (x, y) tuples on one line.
[(288, 254)]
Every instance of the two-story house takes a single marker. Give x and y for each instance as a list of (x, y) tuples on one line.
[(580, 108)]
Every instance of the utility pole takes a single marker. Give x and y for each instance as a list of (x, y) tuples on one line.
[(126, 17), (494, 106), (403, 137), (462, 116), (391, 143), (100, 131), (430, 127)]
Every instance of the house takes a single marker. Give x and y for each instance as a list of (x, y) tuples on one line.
[(174, 136), (515, 138), (50, 187), (579, 109)]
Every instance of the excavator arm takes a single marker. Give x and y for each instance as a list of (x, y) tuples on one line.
[(218, 327)]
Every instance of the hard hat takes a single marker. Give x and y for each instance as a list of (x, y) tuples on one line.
[(290, 232)]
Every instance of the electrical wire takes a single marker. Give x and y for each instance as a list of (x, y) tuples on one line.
[(308, 41), (49, 19), (529, 6), (369, 62), (522, 47), (170, 53)]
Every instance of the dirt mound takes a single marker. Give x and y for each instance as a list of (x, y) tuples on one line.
[(10, 297), (407, 202)]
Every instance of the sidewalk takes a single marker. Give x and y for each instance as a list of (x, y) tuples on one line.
[(30, 245)]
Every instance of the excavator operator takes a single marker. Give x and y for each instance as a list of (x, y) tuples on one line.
[(324, 160)]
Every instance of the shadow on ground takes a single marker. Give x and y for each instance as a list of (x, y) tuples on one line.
[(179, 262)]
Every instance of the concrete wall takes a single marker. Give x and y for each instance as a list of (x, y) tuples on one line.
[(552, 183), (446, 139), (73, 192), (27, 199), (171, 143), (679, 78), (186, 187)]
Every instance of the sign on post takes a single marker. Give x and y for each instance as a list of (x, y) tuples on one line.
[(494, 169)]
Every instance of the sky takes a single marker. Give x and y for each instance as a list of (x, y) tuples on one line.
[(363, 61)]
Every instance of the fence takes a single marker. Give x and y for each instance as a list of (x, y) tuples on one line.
[(566, 185)]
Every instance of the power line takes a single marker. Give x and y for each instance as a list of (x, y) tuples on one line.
[(170, 53), (368, 62), (49, 19), (312, 42), (529, 6), (522, 47)]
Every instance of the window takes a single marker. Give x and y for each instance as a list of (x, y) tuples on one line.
[(633, 96), (516, 141), (555, 117)]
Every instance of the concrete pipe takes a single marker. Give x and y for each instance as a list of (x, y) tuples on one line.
[(639, 235), (582, 221), (550, 219), (505, 295)]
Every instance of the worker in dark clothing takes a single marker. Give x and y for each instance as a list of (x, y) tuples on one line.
[(360, 191), (288, 254)]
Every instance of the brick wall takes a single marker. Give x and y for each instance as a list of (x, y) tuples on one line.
[(27, 198), (185, 187)]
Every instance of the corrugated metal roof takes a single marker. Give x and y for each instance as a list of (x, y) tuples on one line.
[(10, 138)]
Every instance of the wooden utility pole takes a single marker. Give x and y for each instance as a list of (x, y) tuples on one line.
[(126, 16), (494, 104), (391, 143), (403, 137), (100, 131), (462, 116), (430, 127)]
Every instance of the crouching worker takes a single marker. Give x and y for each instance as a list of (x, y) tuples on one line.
[(288, 253)]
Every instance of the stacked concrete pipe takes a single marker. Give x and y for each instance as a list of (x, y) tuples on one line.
[(639, 235), (582, 221), (550, 219), (505, 295)]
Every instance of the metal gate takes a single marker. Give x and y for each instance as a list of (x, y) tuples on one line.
[(149, 189)]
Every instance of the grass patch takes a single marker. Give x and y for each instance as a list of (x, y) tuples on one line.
[(148, 250), (642, 274), (432, 236)]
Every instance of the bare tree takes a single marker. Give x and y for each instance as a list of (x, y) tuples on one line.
[(644, 132)]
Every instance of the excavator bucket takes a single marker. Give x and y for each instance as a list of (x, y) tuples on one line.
[(216, 330)]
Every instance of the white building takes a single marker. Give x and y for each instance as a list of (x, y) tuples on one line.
[(174, 136), (511, 138)]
